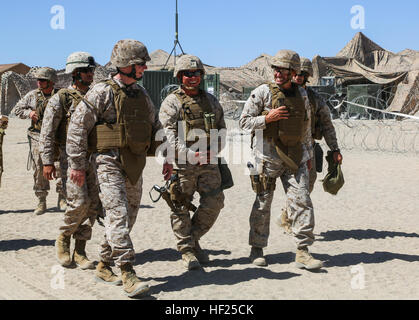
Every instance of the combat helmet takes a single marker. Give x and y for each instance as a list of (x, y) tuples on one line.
[(306, 66), (128, 52), (188, 62), (287, 59), (46, 73), (79, 60)]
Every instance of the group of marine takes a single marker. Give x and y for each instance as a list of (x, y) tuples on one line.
[(96, 138)]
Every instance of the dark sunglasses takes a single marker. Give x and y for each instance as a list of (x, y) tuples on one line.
[(87, 70), (141, 64), (281, 70), (42, 80), (303, 74), (191, 74)]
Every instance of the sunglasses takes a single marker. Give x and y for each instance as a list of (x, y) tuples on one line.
[(303, 74), (87, 70), (141, 64), (42, 80), (190, 74), (281, 70)]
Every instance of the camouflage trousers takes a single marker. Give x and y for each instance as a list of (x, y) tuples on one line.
[(121, 202), (201, 179), (1, 152), (298, 204), (83, 205), (41, 185)]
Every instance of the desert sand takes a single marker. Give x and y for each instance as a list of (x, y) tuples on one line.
[(368, 236)]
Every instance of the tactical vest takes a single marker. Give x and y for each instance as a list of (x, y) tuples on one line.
[(197, 114), (315, 121), (288, 134), (131, 134), (68, 97), (41, 104)]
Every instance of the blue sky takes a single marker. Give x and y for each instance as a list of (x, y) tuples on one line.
[(221, 32)]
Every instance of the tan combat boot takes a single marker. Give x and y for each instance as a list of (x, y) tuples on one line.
[(62, 247), (79, 256), (42, 207), (190, 261), (105, 274), (303, 259), (61, 203), (132, 285), (257, 258), (200, 254)]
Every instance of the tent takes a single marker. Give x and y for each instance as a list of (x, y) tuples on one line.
[(362, 61)]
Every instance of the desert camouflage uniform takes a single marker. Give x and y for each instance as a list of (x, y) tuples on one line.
[(120, 199), (298, 204), (3, 127), (324, 122), (41, 185), (82, 202), (192, 178)]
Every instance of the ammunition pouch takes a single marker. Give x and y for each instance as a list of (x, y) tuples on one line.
[(105, 137), (209, 122)]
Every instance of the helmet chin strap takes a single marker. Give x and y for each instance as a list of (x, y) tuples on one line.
[(132, 74)]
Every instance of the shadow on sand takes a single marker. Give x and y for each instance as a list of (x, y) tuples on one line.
[(23, 244), (339, 235)]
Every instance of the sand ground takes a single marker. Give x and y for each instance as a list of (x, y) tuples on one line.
[(368, 236)]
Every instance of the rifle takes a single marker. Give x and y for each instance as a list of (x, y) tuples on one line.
[(164, 192)]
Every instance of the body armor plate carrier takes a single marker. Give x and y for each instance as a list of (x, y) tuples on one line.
[(131, 134), (287, 134)]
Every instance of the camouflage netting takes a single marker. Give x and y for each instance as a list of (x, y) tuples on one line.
[(363, 61)]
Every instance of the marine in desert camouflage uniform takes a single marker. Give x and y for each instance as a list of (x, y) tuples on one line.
[(82, 202), (32, 106), (117, 122), (4, 121), (282, 111), (321, 127), (196, 110)]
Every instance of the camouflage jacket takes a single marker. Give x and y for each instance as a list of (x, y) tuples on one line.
[(170, 115), (54, 113), (251, 120), (25, 106), (324, 121), (85, 117)]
